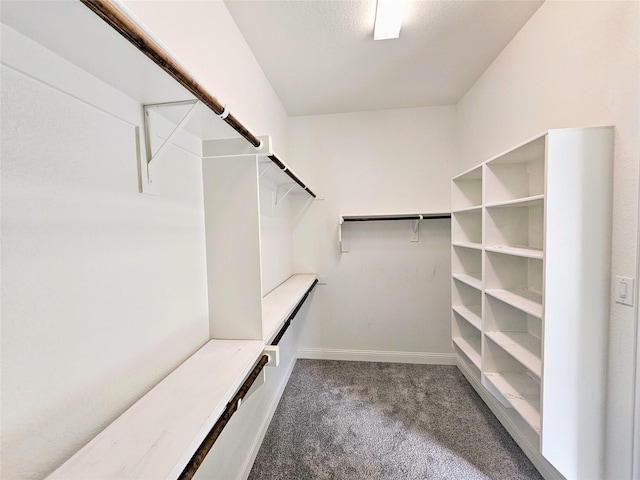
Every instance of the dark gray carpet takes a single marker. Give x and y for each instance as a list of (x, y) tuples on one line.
[(360, 420)]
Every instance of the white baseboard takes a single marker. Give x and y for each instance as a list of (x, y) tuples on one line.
[(544, 467), (377, 356), (264, 425)]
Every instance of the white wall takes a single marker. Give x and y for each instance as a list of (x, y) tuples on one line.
[(103, 289), (574, 64), (387, 296)]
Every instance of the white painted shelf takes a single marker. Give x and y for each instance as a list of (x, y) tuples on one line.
[(470, 346), (471, 314), (518, 202), (278, 304), (157, 435), (522, 393), (475, 208), (524, 300), (516, 251), (471, 245), (471, 280), (522, 346)]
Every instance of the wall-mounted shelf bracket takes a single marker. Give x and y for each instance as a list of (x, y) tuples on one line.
[(279, 197), (151, 155)]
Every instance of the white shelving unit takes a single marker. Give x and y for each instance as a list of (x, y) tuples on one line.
[(530, 268), (157, 436)]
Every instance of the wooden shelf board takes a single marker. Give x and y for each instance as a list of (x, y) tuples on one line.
[(278, 304), (472, 314), (526, 252), (470, 347), (522, 393), (522, 346), (524, 300), (156, 436), (472, 281), (518, 202), (474, 246)]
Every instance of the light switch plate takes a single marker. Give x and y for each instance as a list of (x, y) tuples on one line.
[(624, 290)]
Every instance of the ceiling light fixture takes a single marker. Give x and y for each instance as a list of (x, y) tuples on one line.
[(389, 15)]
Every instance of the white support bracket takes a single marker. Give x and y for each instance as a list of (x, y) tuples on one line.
[(147, 127), (416, 230), (277, 197), (342, 241), (273, 352), (150, 154)]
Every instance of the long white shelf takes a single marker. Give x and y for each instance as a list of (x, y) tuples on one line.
[(525, 252), (470, 346), (470, 280), (474, 246), (156, 436), (471, 314), (522, 346), (522, 393), (280, 302), (524, 300)]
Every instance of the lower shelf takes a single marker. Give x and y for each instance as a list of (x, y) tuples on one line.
[(156, 436), (522, 346), (521, 392), (470, 346)]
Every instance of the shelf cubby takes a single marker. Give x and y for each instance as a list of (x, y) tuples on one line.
[(516, 332), (466, 226), (515, 280), (467, 189), (471, 313), (466, 265), (516, 174), (511, 383), (464, 295), (516, 228), (466, 336)]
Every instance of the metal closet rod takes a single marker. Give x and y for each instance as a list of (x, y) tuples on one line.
[(202, 451), (287, 324), (119, 22), (198, 457), (373, 218), (286, 170)]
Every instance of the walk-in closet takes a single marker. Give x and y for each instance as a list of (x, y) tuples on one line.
[(267, 239)]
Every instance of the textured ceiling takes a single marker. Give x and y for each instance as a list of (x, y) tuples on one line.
[(320, 56)]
